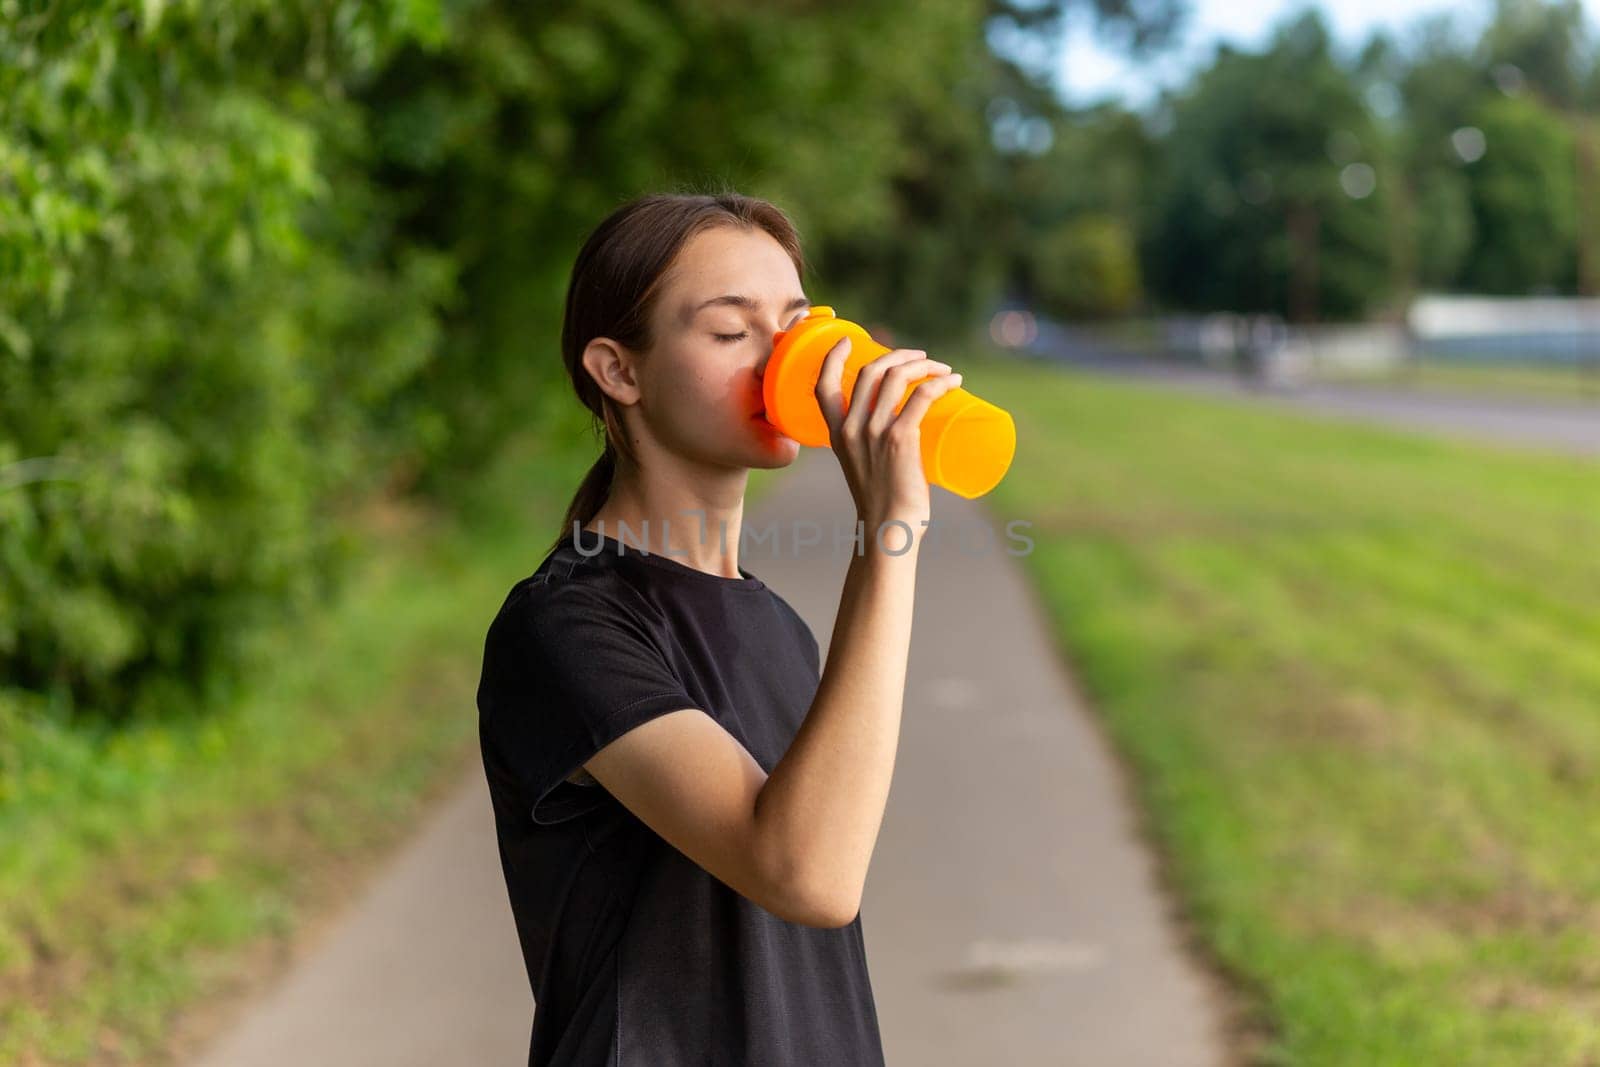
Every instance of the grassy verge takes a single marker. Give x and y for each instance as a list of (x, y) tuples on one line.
[(146, 871), (1356, 674)]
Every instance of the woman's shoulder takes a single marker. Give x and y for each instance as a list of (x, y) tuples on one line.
[(565, 586), (571, 620)]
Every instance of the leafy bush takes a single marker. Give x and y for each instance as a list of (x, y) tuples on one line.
[(199, 313)]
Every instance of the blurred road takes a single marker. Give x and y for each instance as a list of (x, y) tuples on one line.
[(1012, 913), (1566, 426)]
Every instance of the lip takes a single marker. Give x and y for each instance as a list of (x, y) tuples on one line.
[(767, 423)]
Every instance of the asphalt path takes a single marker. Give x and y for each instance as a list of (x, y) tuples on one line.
[(1571, 426)]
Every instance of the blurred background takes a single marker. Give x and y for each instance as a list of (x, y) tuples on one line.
[(1297, 310)]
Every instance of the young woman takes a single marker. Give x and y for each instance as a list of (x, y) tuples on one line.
[(686, 800)]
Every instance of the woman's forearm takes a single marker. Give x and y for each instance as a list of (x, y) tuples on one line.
[(821, 808)]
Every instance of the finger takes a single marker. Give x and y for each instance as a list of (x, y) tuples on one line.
[(923, 396), (865, 390), (830, 388), (892, 391)]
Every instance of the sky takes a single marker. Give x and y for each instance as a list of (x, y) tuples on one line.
[(1086, 71)]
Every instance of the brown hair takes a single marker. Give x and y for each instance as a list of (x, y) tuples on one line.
[(614, 287)]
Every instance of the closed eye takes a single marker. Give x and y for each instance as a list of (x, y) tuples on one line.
[(729, 338)]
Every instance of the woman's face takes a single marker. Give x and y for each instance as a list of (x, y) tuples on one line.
[(700, 386)]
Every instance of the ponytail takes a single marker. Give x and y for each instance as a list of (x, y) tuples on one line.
[(592, 492)]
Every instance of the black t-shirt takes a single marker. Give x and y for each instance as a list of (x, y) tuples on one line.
[(637, 955)]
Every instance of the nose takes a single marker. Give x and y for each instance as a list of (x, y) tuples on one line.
[(761, 368)]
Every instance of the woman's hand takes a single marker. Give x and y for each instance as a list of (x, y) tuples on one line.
[(880, 450)]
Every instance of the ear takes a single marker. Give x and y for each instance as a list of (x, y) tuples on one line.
[(612, 367)]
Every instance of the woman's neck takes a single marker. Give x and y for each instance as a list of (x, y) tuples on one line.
[(696, 535)]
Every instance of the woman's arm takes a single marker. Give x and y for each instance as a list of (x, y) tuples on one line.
[(800, 841), (691, 781), (822, 807)]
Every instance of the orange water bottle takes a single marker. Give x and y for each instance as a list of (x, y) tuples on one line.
[(967, 442)]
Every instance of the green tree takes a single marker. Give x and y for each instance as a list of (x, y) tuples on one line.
[(261, 258), (1439, 83), (535, 120), (869, 122), (1485, 223), (1523, 200), (1272, 198), (1096, 172), (197, 311), (1541, 44), (1087, 268)]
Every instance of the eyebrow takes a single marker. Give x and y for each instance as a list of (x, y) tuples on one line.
[(749, 303)]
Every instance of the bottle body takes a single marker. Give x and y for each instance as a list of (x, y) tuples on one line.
[(967, 442)]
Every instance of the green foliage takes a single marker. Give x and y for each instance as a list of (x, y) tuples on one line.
[(197, 310), (1546, 41), (1079, 206), (257, 259), (1523, 203), (1087, 268), (1248, 188), (1444, 228), (1271, 195), (1487, 150), (509, 144)]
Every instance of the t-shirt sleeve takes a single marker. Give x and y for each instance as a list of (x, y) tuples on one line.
[(571, 667)]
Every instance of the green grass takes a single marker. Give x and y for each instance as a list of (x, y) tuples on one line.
[(139, 869), (1357, 676)]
